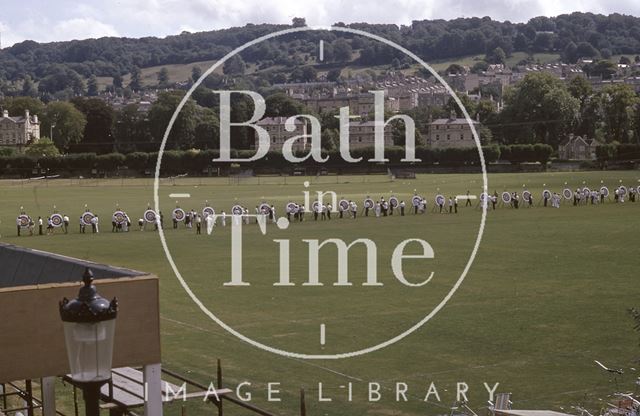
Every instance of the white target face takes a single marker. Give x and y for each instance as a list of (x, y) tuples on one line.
[(526, 195), (150, 216), (506, 197), (206, 211), (567, 193), (179, 214), (604, 191), (57, 220), (546, 194)]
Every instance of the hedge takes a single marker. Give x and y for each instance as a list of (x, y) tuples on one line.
[(196, 162)]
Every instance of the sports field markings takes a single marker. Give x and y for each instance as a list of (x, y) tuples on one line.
[(471, 197), (179, 195), (322, 334)]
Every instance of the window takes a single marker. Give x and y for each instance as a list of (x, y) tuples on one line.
[(448, 137), (437, 137), (461, 136)]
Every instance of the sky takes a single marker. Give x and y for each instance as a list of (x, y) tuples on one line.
[(47, 21)]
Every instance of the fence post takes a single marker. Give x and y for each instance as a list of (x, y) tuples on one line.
[(303, 405)]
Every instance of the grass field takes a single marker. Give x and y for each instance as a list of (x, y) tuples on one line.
[(547, 294)]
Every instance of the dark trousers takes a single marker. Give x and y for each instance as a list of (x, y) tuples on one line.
[(402, 212), (40, 229)]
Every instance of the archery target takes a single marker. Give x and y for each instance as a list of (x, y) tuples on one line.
[(206, 211), (506, 197), (315, 206), (237, 210), (87, 217), (440, 199), (292, 207), (265, 208), (119, 217), (416, 200), (604, 191), (586, 191), (150, 216), (24, 220), (393, 201), (483, 196), (57, 220), (526, 196), (368, 203), (567, 193), (622, 190), (343, 205), (546, 194), (178, 214)]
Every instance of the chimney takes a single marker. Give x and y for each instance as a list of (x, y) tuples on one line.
[(5, 113), (26, 113), (35, 119)]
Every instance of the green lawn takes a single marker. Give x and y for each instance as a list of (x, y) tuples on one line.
[(547, 294)]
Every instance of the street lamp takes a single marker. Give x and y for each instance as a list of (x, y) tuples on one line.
[(89, 328), (53, 125)]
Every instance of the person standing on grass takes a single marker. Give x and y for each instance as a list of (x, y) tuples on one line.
[(65, 221), (450, 205), (455, 204), (402, 206), (198, 224), (223, 219), (40, 225), (141, 224), (31, 226), (329, 208), (210, 221), (18, 222), (468, 203), (81, 225), (49, 226), (354, 209)]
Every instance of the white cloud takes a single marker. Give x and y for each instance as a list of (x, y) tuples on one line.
[(81, 28)]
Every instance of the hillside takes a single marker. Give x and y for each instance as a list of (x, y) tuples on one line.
[(62, 66)]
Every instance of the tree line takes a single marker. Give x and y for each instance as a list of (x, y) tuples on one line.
[(63, 66)]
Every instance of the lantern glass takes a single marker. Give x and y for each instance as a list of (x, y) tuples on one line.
[(90, 349)]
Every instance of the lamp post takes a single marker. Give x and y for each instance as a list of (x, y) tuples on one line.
[(53, 125), (89, 328)]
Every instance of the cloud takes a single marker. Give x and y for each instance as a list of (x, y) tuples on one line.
[(81, 28)]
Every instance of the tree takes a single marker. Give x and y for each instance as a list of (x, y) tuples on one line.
[(183, 131), (454, 69), (117, 80), (298, 22), (342, 50), (28, 89), (97, 135), (570, 53), (539, 109), (131, 130), (163, 77), (17, 105), (196, 73), (92, 86), (42, 148), (135, 83), (234, 66), (618, 106), (281, 105), (497, 56), (66, 122), (334, 74)]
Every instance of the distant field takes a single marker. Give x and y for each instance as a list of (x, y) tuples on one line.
[(182, 72), (547, 295)]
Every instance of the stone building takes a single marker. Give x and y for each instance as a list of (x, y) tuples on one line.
[(19, 131), (452, 132)]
